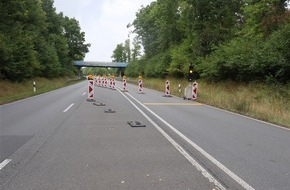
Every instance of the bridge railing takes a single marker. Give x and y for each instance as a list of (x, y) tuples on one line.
[(101, 64)]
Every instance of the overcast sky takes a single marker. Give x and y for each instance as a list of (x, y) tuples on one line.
[(103, 21)]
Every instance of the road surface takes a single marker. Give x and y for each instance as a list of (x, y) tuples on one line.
[(59, 140)]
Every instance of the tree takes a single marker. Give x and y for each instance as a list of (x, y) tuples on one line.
[(127, 51), (21, 22), (146, 29), (118, 53), (136, 51), (36, 41), (75, 39), (241, 40)]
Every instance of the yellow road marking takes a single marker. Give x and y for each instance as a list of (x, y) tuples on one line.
[(172, 104)]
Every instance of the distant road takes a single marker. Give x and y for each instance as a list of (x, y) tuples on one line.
[(59, 140)]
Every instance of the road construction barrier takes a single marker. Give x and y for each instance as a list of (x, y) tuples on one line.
[(194, 90), (98, 80), (106, 82), (113, 83), (124, 84), (90, 87), (140, 85), (103, 81), (95, 80), (167, 88)]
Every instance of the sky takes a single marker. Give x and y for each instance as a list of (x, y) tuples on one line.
[(103, 21)]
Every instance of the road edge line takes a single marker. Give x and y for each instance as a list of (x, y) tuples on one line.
[(207, 155), (203, 171)]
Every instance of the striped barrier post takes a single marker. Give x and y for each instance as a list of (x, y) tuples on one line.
[(95, 80), (140, 85), (194, 90), (124, 84), (90, 88), (167, 89), (113, 83), (106, 82), (99, 80)]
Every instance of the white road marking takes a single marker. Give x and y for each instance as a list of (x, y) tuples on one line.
[(68, 108), (247, 117), (177, 146), (207, 155), (84, 93), (4, 163)]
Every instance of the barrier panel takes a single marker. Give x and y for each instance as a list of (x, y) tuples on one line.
[(167, 88), (90, 88), (194, 90), (124, 84), (140, 85)]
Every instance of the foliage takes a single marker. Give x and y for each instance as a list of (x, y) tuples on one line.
[(155, 66), (247, 60), (224, 39), (135, 68), (36, 41), (122, 52)]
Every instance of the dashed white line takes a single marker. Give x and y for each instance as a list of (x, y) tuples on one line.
[(68, 108), (84, 93), (4, 163)]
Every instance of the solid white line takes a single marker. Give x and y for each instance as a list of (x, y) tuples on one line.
[(68, 108), (84, 93), (247, 117), (178, 147), (4, 163), (207, 155)]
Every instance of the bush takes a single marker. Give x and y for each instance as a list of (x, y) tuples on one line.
[(157, 66), (246, 60)]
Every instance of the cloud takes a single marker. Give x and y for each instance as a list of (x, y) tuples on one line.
[(103, 21)]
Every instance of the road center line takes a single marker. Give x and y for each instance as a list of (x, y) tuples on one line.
[(207, 155), (178, 147), (68, 108), (4, 163)]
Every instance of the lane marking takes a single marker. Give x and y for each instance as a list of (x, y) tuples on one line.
[(207, 155), (171, 104), (4, 163), (68, 108), (248, 117), (84, 93), (178, 147), (32, 97)]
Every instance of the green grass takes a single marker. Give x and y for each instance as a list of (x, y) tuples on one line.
[(271, 104), (11, 92)]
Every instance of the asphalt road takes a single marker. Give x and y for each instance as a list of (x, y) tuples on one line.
[(59, 140)]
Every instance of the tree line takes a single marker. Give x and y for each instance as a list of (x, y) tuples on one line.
[(35, 41), (238, 40)]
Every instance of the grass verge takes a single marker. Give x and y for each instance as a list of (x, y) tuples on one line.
[(271, 104), (11, 92)]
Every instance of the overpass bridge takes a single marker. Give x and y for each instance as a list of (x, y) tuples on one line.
[(101, 64)]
